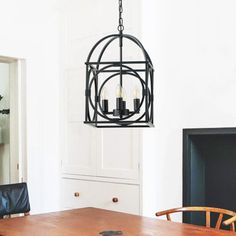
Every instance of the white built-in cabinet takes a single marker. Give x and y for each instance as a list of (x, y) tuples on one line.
[(102, 194), (99, 167), (109, 153)]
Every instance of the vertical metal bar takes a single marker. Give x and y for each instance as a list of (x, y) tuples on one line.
[(152, 94), (96, 98), (86, 94), (146, 93), (120, 29), (121, 58), (121, 62)]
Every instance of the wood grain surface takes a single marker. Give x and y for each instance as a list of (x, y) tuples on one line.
[(91, 221)]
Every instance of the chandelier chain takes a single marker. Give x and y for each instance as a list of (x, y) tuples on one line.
[(121, 26)]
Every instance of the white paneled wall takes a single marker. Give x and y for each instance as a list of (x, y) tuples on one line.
[(193, 47)]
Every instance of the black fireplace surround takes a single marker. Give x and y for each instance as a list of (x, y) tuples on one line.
[(209, 170)]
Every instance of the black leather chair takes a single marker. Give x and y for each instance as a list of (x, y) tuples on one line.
[(14, 199)]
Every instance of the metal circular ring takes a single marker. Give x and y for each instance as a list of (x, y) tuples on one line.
[(105, 116)]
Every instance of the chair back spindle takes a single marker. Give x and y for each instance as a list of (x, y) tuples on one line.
[(230, 222), (208, 211)]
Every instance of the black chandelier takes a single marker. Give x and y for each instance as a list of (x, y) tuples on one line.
[(103, 74)]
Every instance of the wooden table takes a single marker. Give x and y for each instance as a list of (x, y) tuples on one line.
[(91, 221)]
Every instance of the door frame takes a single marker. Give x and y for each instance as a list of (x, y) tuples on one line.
[(18, 122)]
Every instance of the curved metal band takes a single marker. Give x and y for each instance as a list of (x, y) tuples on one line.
[(104, 49), (115, 36), (141, 103), (96, 45)]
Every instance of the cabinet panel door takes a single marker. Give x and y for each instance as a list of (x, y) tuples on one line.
[(79, 147), (80, 150), (119, 154)]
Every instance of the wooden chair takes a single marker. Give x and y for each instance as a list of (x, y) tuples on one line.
[(208, 211), (230, 221), (14, 199)]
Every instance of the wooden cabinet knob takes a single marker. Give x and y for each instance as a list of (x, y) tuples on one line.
[(115, 199), (76, 194)]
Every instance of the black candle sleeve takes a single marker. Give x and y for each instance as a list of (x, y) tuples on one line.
[(105, 106), (119, 103), (136, 104), (124, 105)]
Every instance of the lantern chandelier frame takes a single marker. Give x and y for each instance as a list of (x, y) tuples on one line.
[(101, 72)]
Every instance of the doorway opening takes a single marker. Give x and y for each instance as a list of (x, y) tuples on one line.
[(12, 121)]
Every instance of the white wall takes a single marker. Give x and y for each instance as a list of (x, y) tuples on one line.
[(29, 30), (193, 46)]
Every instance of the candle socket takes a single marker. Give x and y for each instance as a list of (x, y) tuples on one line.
[(123, 105), (105, 106), (125, 111), (119, 103), (136, 105), (120, 108)]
